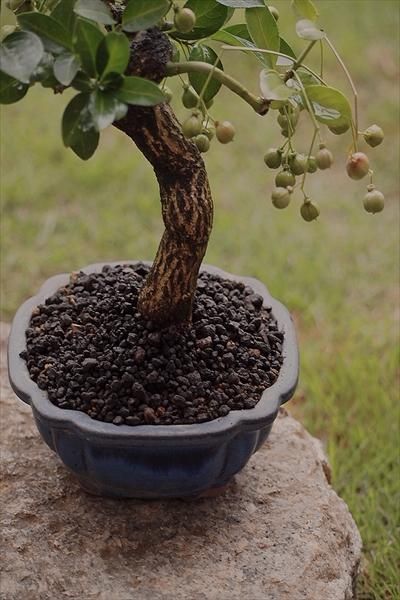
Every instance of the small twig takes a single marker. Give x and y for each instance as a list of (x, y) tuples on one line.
[(210, 75), (236, 48), (260, 105), (353, 87), (309, 106), (302, 56), (303, 180), (321, 55)]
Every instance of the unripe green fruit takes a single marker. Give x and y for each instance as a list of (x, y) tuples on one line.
[(274, 12), (284, 121), (312, 166), (357, 165), (168, 94), (202, 142), (192, 126), (339, 129), (280, 197), (184, 20), (209, 132), (298, 164), (374, 200), (273, 158), (225, 131), (284, 179), (189, 97), (374, 135), (324, 158), (285, 133), (309, 210)]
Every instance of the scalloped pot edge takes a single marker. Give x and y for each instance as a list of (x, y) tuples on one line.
[(225, 427)]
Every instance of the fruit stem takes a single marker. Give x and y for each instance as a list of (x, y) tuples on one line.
[(290, 132), (260, 105), (371, 174), (263, 51), (321, 50), (209, 76), (302, 56), (353, 87), (303, 180), (309, 107)]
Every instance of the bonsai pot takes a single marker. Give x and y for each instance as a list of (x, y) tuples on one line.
[(153, 461)]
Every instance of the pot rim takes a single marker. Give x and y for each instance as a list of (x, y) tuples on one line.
[(252, 419)]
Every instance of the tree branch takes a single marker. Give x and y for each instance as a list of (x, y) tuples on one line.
[(260, 105)]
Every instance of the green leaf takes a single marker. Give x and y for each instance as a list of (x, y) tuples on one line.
[(307, 78), (229, 15), (113, 54), (207, 55), (105, 108), (11, 90), (65, 68), (226, 37), (305, 9), (242, 3), (240, 30), (307, 30), (78, 131), (140, 91), (20, 54), (234, 35), (263, 31), (82, 82), (64, 14), (44, 71), (210, 16), (142, 14), (46, 27), (273, 87), (88, 39), (238, 35), (286, 49), (94, 10), (330, 106), (49, 82), (112, 81)]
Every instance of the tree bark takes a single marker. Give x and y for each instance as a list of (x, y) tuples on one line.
[(187, 209)]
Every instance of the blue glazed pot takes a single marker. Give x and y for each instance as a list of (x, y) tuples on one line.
[(152, 461)]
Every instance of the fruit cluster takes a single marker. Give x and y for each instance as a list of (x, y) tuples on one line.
[(294, 164), (201, 128)]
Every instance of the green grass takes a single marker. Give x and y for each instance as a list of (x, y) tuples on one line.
[(339, 276)]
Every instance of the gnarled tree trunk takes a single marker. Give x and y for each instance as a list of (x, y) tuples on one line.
[(187, 209)]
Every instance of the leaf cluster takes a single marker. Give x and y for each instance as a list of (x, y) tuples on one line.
[(79, 44)]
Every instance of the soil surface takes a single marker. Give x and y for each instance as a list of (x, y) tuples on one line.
[(92, 351)]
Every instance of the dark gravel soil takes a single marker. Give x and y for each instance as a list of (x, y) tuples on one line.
[(90, 349)]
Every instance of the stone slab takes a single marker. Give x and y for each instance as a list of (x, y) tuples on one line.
[(280, 532)]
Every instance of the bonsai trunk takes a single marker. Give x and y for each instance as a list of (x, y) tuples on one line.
[(187, 208)]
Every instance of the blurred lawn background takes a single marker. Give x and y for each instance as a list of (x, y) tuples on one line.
[(338, 276)]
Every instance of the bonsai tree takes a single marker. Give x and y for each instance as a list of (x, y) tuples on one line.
[(117, 56)]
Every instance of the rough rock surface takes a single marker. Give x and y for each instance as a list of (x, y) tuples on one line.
[(279, 532)]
